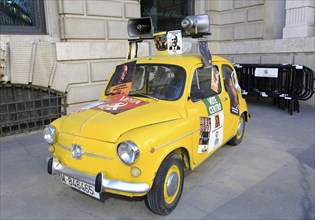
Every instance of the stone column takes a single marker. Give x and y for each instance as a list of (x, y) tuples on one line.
[(300, 19)]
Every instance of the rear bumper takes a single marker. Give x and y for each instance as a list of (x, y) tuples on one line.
[(100, 182)]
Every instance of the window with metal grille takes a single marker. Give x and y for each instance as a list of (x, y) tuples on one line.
[(26, 108)]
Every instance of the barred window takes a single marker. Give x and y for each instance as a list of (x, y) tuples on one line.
[(166, 14), (22, 17)]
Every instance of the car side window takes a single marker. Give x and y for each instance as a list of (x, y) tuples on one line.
[(138, 79), (205, 83)]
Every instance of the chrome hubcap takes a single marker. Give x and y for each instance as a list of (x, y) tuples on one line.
[(171, 184), (240, 128)]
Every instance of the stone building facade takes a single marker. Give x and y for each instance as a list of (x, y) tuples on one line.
[(86, 39)]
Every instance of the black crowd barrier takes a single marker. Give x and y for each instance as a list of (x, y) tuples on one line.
[(287, 84)]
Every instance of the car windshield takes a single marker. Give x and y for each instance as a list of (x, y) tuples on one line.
[(157, 81)]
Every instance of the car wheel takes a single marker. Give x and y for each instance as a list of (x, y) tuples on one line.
[(167, 187), (237, 139)]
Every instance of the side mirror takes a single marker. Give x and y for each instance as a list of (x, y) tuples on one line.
[(197, 95)]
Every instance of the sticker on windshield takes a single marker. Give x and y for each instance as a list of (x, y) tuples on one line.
[(122, 78)]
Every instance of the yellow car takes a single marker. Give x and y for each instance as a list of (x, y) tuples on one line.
[(157, 117)]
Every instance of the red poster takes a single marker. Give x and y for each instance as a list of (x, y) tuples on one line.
[(120, 103)]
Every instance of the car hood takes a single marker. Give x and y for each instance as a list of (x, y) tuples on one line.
[(105, 126)]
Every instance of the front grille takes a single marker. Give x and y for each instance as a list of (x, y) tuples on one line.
[(25, 108)]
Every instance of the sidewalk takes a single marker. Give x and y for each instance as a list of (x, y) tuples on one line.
[(269, 176)]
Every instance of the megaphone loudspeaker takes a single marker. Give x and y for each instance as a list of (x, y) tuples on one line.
[(140, 27)]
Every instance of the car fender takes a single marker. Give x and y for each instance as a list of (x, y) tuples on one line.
[(156, 142)]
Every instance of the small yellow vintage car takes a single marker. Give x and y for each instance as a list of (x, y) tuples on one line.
[(157, 117)]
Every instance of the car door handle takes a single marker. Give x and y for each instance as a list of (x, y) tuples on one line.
[(225, 98)]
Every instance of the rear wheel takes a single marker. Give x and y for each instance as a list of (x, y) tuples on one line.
[(167, 187), (237, 139)]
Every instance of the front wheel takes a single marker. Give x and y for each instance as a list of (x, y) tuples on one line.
[(167, 187), (237, 139)]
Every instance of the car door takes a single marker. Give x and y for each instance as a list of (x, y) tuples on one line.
[(230, 101), (205, 111)]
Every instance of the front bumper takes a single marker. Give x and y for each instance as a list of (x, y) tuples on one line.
[(100, 182)]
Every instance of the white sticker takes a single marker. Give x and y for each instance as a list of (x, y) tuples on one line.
[(266, 72), (174, 42)]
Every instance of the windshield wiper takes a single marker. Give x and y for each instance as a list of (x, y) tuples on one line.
[(144, 95)]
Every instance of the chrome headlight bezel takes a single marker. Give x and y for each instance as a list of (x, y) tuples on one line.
[(50, 134), (128, 152)]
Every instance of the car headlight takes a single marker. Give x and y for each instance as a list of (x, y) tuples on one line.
[(50, 134), (128, 152)]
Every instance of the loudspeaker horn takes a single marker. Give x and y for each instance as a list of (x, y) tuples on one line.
[(198, 24), (140, 27)]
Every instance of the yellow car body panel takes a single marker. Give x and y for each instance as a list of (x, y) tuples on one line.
[(158, 128)]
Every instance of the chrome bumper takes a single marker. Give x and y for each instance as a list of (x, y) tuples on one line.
[(100, 182)]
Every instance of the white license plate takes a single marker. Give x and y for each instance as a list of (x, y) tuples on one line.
[(79, 185)]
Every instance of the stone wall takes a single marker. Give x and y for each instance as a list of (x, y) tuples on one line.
[(86, 39), (93, 41), (246, 20), (263, 31)]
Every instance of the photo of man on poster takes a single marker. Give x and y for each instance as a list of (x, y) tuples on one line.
[(174, 45), (174, 42)]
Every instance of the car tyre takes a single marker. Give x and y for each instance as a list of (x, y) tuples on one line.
[(237, 139), (167, 187)]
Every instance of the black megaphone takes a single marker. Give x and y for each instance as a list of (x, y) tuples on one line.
[(140, 27)]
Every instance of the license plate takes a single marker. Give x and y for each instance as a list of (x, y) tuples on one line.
[(79, 185)]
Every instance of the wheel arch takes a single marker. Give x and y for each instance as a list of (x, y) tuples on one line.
[(182, 152), (247, 116)]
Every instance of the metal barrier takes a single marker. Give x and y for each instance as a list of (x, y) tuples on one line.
[(287, 84)]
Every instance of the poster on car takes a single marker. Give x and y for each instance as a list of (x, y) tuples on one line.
[(215, 79), (205, 54), (122, 78), (120, 103), (211, 127), (216, 134), (114, 105), (174, 42), (229, 82), (205, 128), (160, 41)]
